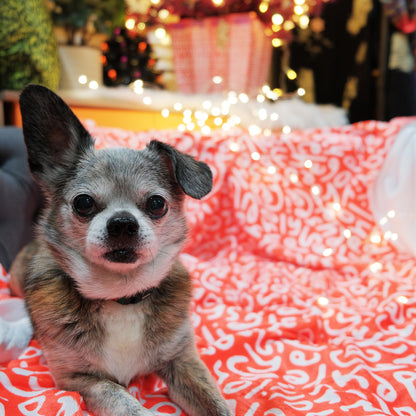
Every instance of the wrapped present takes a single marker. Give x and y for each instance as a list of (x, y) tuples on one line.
[(221, 53)]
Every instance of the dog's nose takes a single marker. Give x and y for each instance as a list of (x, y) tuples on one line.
[(122, 224)]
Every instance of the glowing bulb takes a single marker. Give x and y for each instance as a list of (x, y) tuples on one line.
[(336, 206), (294, 178), (255, 156), (308, 164), (234, 147), (375, 267), (277, 19), (271, 170), (261, 98), (177, 106), (262, 114), (130, 23), (327, 252), (160, 33), (147, 100), (218, 121), (277, 42), (402, 299), (286, 129), (301, 92), (93, 85), (391, 213), (206, 105), (83, 79), (298, 10), (274, 116), (315, 190), (303, 21), (218, 2), (291, 74), (323, 301), (243, 97), (375, 239), (217, 79), (263, 7), (165, 113), (206, 130), (347, 233), (383, 221), (216, 111), (164, 14), (254, 130)]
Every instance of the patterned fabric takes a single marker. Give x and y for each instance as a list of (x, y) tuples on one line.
[(302, 305), (28, 52)]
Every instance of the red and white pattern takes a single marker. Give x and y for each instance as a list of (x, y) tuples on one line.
[(302, 305)]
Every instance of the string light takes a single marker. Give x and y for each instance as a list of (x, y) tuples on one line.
[(402, 299), (323, 301)]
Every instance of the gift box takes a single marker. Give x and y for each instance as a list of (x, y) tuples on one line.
[(221, 53)]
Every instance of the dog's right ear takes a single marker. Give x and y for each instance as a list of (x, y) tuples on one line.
[(54, 136)]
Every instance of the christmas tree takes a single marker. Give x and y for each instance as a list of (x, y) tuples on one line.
[(128, 57)]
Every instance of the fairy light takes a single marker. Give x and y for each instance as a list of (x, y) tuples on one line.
[(164, 14), (315, 190), (347, 233), (93, 85), (147, 100), (391, 213), (254, 130), (130, 23), (277, 19), (402, 299), (294, 178), (255, 156), (218, 2), (336, 206), (383, 221), (261, 98), (327, 252), (243, 97), (217, 79), (323, 301), (274, 116), (206, 130), (82, 79), (375, 267), (271, 170), (291, 74), (263, 7), (375, 238), (234, 147), (218, 121), (277, 43), (178, 106), (308, 164), (165, 113), (216, 111), (301, 92), (160, 33), (286, 129)]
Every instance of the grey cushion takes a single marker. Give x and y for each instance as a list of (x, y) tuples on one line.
[(20, 196)]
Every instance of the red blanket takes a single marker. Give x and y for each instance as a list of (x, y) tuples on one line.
[(302, 305)]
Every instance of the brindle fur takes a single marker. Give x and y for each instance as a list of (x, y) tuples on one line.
[(93, 344)]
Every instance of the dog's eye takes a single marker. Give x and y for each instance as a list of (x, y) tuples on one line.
[(84, 205), (156, 206)]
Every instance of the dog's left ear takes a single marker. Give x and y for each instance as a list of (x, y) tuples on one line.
[(193, 176)]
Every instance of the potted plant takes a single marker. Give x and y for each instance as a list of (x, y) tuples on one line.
[(80, 27)]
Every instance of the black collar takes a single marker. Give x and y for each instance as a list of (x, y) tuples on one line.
[(137, 298)]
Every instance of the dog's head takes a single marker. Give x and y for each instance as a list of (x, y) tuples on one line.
[(114, 218)]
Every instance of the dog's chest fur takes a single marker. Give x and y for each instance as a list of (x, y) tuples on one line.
[(125, 345)]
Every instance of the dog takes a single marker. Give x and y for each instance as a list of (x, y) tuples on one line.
[(108, 298)]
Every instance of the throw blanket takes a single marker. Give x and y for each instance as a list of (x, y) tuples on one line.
[(303, 304)]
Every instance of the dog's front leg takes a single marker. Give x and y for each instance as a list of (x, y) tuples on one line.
[(104, 397), (191, 385)]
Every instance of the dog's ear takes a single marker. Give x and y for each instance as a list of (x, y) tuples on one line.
[(54, 136), (193, 176)]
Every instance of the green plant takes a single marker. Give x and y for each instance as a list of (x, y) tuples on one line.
[(82, 19)]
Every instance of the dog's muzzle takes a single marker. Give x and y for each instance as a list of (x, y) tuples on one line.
[(122, 232)]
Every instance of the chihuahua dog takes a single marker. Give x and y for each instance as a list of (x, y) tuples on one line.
[(108, 298)]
